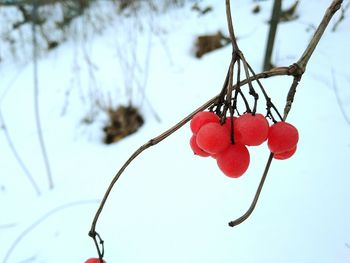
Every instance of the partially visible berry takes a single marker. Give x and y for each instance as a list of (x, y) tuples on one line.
[(282, 137), (213, 138), (94, 260), (196, 149), (251, 130), (202, 118), (285, 155), (234, 161)]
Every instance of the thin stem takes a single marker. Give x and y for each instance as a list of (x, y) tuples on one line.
[(341, 17), (221, 96), (267, 74), (293, 70), (228, 93), (256, 197), (17, 156), (290, 96), (297, 70), (230, 27), (251, 88), (101, 251), (150, 143), (238, 88), (334, 7), (269, 103)]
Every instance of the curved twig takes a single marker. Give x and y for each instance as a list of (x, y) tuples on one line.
[(150, 143), (280, 71), (17, 155), (297, 70), (256, 197)]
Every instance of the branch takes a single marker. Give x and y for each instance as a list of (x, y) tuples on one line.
[(150, 143), (304, 59), (242, 218), (341, 18), (230, 27), (296, 70)]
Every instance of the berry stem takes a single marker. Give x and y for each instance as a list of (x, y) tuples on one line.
[(250, 85), (256, 197), (269, 103), (238, 88)]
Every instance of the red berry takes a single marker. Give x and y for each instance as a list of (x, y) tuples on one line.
[(213, 138), (285, 155), (196, 149), (282, 137), (202, 118), (94, 260), (234, 161), (251, 129)]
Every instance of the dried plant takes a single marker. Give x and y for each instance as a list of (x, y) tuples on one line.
[(226, 101)]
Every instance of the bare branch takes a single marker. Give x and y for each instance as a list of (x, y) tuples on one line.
[(150, 143), (230, 26), (304, 59), (296, 70), (341, 17), (242, 218)]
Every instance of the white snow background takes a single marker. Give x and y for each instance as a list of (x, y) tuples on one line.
[(170, 206)]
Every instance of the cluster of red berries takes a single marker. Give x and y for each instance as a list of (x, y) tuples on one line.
[(229, 146)]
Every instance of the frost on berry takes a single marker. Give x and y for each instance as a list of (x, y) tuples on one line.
[(196, 149), (251, 129), (285, 155), (202, 118), (282, 137), (213, 138), (234, 161), (94, 260)]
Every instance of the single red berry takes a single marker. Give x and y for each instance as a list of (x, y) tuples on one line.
[(285, 155), (251, 129), (282, 137), (234, 161), (213, 138), (202, 118), (94, 260), (196, 149)]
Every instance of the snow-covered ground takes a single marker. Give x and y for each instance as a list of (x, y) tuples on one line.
[(171, 206)]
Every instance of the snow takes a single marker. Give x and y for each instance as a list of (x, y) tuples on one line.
[(170, 206)]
